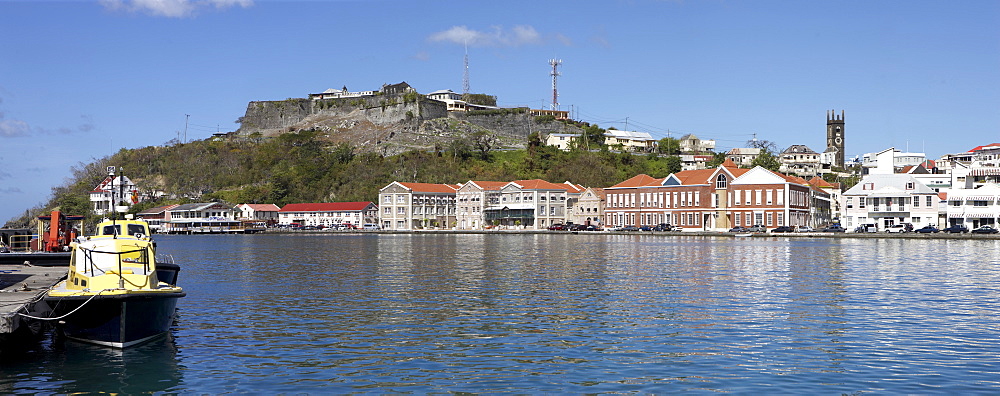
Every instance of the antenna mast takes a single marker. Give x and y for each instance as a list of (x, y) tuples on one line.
[(465, 77), (555, 74)]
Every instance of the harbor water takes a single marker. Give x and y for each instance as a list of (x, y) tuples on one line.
[(553, 313)]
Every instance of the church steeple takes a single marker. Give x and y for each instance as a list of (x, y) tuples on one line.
[(835, 136)]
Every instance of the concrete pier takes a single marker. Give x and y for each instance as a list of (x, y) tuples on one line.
[(21, 290)]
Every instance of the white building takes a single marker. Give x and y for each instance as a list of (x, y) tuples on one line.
[(630, 140), (328, 214), (890, 160), (533, 204), (562, 141), (471, 201), (974, 207), (267, 213), (800, 160), (743, 156), (113, 191), (887, 199), (691, 144), (206, 217)]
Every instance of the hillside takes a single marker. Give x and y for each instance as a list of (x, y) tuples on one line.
[(313, 166)]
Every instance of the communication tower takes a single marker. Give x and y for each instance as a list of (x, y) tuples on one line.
[(555, 75), (465, 76)]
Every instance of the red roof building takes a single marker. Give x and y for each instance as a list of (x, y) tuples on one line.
[(714, 199)]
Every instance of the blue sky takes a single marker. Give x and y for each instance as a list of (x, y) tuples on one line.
[(81, 79)]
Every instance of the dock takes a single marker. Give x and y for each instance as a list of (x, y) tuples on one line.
[(21, 290)]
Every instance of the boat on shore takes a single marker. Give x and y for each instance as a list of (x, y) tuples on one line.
[(116, 294)]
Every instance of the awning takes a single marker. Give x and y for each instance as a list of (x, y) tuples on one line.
[(985, 172)]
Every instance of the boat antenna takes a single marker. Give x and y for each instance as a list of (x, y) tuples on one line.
[(114, 224)]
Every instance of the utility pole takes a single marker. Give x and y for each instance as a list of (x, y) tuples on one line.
[(186, 118)]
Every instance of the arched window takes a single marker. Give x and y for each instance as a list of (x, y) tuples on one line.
[(720, 182)]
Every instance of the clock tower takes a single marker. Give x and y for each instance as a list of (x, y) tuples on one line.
[(835, 136)]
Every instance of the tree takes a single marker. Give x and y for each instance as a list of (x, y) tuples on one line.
[(717, 159), (763, 145), (673, 163), (766, 160), (669, 146), (484, 141)]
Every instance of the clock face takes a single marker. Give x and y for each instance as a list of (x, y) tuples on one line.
[(839, 140)]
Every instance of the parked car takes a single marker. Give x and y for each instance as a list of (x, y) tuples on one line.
[(956, 229), (757, 228), (371, 226), (577, 227), (591, 227), (557, 227), (834, 228), (928, 229), (805, 229), (985, 230), (663, 227), (896, 229), (630, 228), (866, 228), (783, 229), (739, 229)]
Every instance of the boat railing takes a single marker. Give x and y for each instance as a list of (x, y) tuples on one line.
[(93, 257), (22, 243)]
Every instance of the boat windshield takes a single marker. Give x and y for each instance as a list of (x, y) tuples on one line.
[(117, 229)]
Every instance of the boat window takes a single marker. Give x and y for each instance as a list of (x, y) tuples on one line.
[(136, 229), (111, 230)]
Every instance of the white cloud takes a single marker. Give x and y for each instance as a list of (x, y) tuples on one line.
[(171, 8), (496, 37)]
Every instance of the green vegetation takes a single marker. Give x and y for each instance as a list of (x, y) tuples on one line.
[(480, 99), (299, 167)]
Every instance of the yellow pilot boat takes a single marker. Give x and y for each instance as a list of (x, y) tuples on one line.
[(116, 294)]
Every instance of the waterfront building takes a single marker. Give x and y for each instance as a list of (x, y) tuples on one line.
[(974, 207), (888, 199), (589, 208), (329, 214), (155, 217), (835, 211), (411, 206), (472, 199), (532, 204), (266, 213), (204, 217), (712, 199)]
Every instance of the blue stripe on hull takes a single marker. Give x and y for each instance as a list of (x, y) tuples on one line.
[(118, 321)]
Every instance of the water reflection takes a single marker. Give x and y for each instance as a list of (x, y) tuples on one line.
[(563, 313)]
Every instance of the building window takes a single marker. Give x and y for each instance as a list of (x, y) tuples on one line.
[(862, 201), (720, 182), (850, 202), (929, 201)]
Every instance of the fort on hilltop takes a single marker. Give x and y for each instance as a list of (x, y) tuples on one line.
[(396, 118)]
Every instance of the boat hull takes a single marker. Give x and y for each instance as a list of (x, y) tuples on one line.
[(118, 321)]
